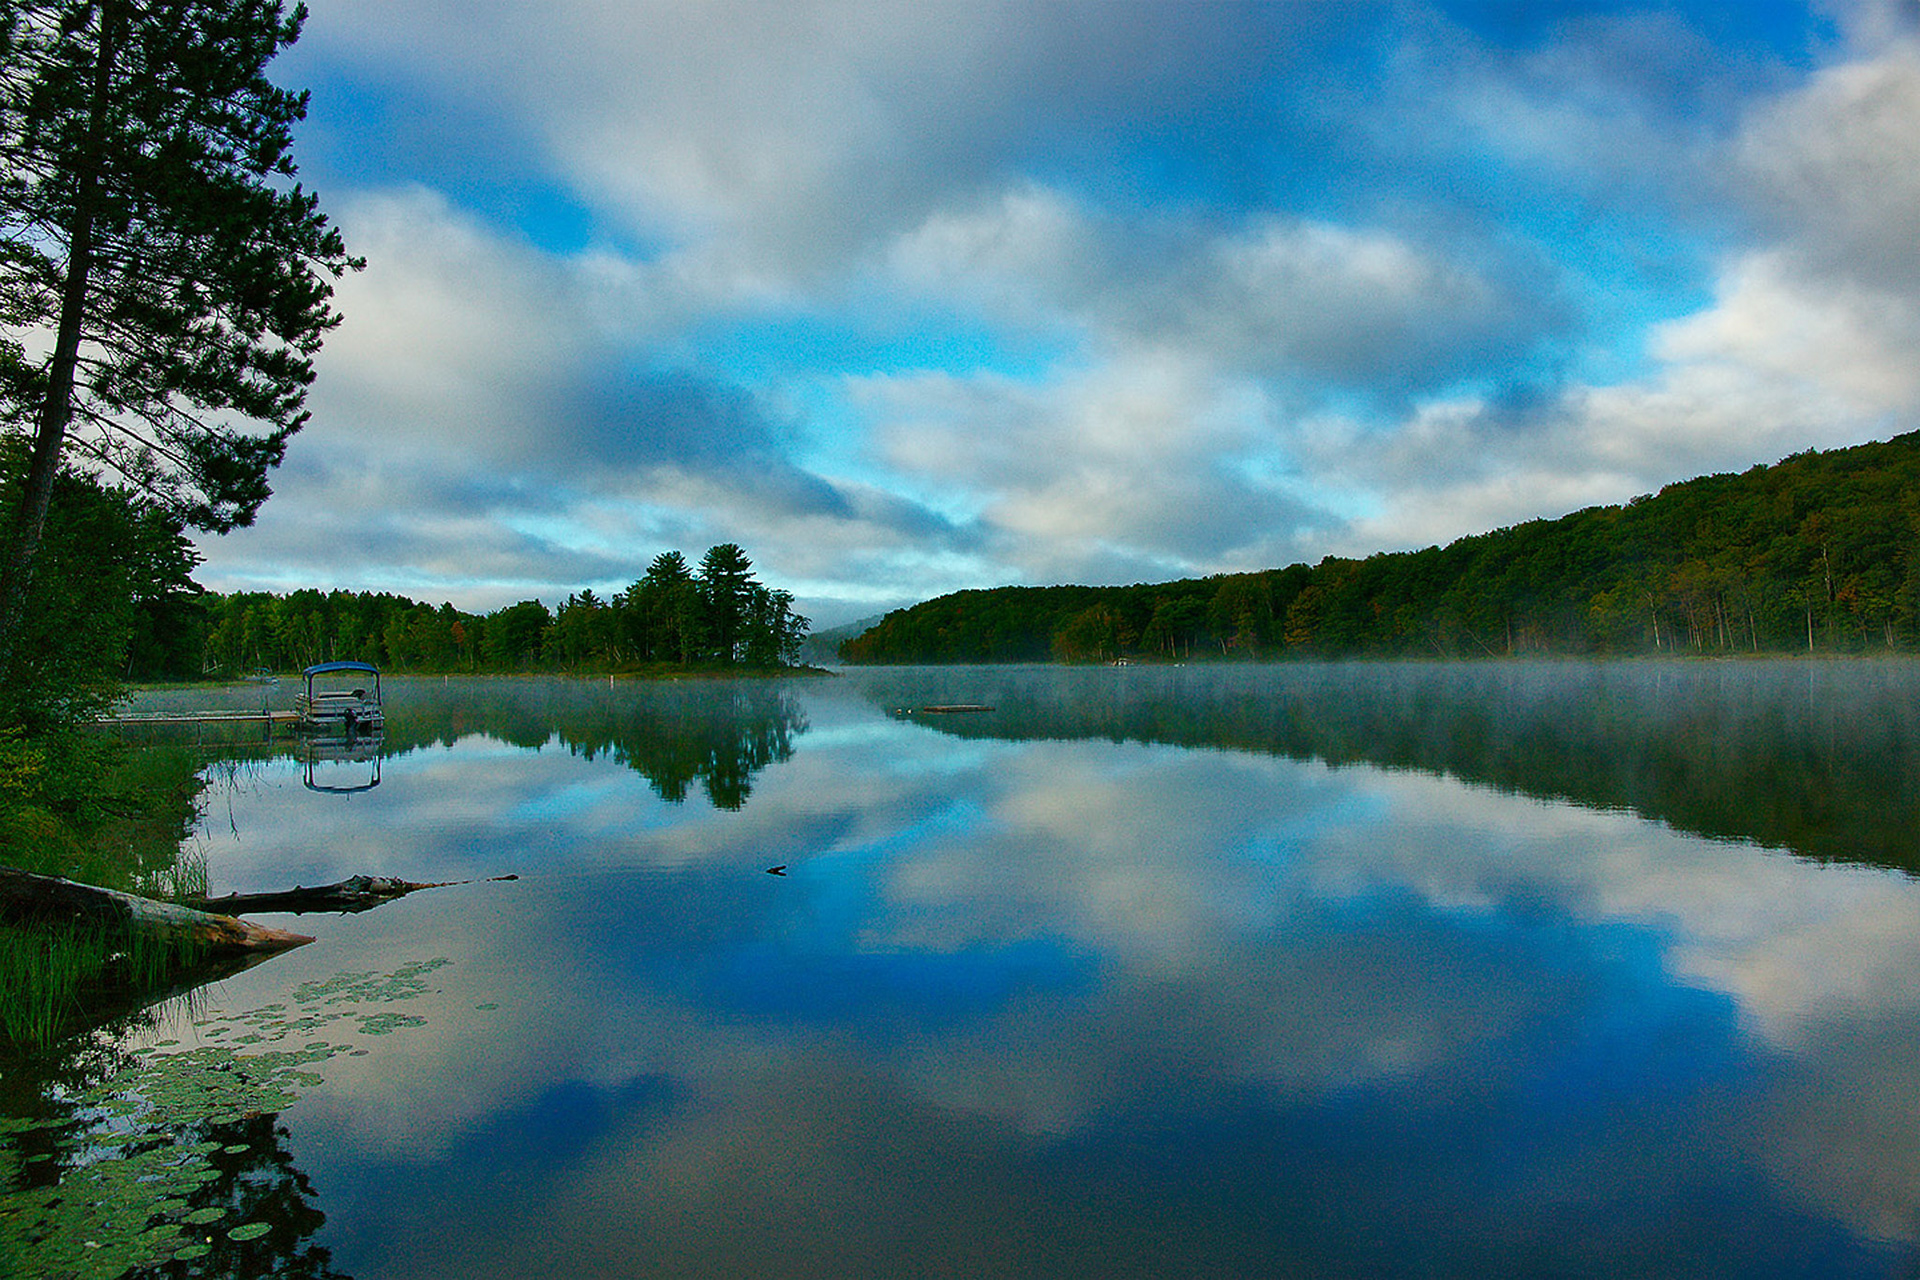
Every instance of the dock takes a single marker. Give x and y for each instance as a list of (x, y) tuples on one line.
[(200, 717), (202, 726)]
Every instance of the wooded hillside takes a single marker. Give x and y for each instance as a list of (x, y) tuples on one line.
[(1815, 553)]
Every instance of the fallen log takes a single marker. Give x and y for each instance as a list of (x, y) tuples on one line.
[(29, 899), (355, 893)]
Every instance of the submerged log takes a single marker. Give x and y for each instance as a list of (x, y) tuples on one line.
[(29, 899), (355, 893)]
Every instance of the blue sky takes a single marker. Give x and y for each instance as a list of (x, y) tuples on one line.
[(906, 297)]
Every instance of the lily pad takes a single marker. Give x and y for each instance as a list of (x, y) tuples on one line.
[(136, 1145)]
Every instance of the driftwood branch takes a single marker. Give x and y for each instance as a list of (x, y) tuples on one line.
[(28, 899), (355, 893)]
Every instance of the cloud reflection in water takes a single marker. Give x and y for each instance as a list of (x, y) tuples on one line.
[(1048, 1007)]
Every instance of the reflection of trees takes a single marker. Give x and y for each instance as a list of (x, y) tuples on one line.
[(718, 737), (1822, 758), (717, 732), (714, 732), (257, 1185), (236, 1175)]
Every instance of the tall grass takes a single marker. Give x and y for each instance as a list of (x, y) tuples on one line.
[(53, 980)]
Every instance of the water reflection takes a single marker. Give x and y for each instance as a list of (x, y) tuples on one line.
[(715, 735), (1047, 1002), (1821, 757), (111, 1164), (328, 762)]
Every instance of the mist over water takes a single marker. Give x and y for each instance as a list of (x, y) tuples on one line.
[(1820, 757), (1382, 969)]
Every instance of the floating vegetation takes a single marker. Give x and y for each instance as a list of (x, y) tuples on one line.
[(171, 1158)]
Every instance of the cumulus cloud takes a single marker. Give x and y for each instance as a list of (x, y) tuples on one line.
[(1141, 467), (1804, 341), (787, 139), (909, 297), (481, 432), (1304, 301), (1836, 166)]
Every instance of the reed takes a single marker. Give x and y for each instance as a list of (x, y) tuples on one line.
[(53, 979)]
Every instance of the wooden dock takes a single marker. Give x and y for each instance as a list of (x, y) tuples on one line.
[(201, 717)]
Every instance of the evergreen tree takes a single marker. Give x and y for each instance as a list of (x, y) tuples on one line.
[(664, 611), (150, 224), (726, 590)]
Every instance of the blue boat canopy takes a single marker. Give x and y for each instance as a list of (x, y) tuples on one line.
[(322, 668)]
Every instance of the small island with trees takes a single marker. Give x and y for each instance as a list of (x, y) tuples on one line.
[(716, 617)]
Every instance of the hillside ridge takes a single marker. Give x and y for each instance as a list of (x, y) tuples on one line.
[(1814, 553)]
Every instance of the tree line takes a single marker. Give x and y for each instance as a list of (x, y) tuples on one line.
[(1815, 553), (716, 616)]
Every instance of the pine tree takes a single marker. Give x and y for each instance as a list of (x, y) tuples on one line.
[(150, 224), (726, 590)]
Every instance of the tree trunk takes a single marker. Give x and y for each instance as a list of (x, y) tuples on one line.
[(29, 899), (355, 893), (56, 409)]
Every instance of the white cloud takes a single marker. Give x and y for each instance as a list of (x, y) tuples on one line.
[(788, 139), (1837, 165), (1227, 383), (454, 339), (1141, 466), (1300, 300), (1806, 343)]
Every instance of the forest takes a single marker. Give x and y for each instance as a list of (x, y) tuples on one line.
[(714, 616), (1815, 553)]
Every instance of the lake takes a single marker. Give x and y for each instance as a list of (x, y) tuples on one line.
[(1458, 970)]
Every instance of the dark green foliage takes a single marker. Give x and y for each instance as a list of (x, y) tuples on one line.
[(661, 612), (84, 806), (151, 227), (722, 620), (511, 637), (724, 583), (1815, 553), (112, 597), (51, 977)]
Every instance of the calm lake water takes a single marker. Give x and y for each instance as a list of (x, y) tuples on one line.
[(1554, 969)]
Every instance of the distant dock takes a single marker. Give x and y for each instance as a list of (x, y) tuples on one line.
[(200, 717), (202, 727)]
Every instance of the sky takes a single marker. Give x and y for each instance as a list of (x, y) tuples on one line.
[(910, 296)]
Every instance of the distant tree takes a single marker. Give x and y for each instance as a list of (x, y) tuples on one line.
[(514, 634), (726, 590), (663, 611), (150, 227), (774, 630), (1091, 635), (579, 634)]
